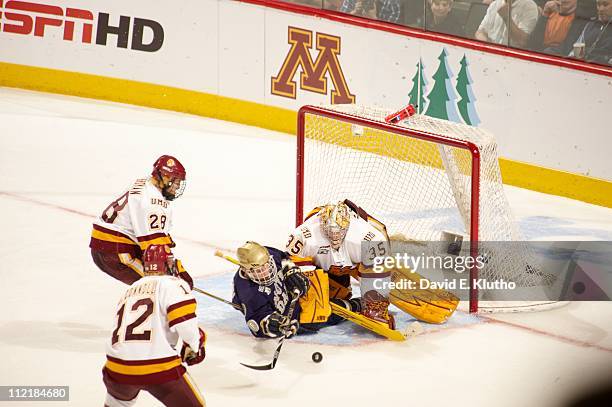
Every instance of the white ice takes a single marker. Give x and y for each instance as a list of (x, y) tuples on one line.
[(63, 159)]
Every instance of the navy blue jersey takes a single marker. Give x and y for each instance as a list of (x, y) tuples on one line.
[(259, 301)]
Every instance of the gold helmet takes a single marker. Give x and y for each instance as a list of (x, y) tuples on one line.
[(335, 221), (256, 263)]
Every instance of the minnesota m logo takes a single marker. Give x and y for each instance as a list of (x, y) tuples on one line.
[(312, 77)]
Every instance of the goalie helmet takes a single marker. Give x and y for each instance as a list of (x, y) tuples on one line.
[(335, 221), (170, 175), (256, 263), (158, 260)]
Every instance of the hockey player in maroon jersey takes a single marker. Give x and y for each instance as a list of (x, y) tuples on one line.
[(142, 216), (152, 316)]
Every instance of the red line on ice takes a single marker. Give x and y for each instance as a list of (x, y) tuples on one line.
[(88, 215)]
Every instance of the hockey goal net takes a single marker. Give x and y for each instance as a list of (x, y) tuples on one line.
[(421, 176)]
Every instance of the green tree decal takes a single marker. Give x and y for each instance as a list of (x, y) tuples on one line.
[(419, 87), (466, 106), (442, 96)]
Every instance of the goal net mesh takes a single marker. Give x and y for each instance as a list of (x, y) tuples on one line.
[(418, 188)]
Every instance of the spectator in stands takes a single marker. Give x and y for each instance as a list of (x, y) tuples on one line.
[(385, 10), (508, 22), (596, 37), (389, 10), (362, 8), (560, 20), (440, 18)]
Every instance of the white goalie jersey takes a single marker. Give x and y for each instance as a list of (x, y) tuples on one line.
[(362, 243)]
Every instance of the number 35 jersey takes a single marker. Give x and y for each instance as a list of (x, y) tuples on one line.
[(151, 316), (137, 219), (309, 241)]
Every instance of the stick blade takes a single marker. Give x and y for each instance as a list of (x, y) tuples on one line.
[(269, 366)]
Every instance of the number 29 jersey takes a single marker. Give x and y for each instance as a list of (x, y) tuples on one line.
[(137, 219)]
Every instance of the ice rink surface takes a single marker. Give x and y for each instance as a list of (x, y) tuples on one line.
[(64, 159)]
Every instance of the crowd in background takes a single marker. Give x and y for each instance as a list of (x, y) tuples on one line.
[(578, 29)]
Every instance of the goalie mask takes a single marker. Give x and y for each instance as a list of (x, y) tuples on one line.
[(256, 263), (170, 176), (335, 221), (158, 260)]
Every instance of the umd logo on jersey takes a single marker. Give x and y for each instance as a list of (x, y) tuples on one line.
[(312, 77)]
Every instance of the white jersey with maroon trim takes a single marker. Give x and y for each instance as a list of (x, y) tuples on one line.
[(151, 316), (308, 240), (137, 219)]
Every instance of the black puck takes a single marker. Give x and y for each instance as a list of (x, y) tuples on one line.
[(317, 357)]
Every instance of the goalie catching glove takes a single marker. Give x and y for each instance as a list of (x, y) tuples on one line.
[(295, 280), (275, 325), (192, 357)]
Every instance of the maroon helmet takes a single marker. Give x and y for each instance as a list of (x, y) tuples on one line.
[(158, 259), (171, 175)]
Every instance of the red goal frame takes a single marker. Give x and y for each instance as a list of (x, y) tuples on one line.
[(466, 145)]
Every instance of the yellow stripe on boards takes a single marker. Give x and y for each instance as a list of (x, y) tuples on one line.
[(147, 94), (556, 182), (516, 173)]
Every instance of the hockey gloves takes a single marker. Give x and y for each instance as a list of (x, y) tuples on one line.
[(295, 280), (275, 325), (191, 357)]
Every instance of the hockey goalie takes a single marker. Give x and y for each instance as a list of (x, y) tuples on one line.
[(333, 238)]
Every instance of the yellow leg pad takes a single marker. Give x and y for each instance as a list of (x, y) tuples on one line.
[(429, 305), (315, 304)]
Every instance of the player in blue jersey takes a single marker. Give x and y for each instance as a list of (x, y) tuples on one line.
[(264, 286)]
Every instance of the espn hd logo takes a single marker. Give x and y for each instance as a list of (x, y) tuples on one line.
[(80, 25)]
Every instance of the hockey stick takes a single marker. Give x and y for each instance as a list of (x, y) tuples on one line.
[(270, 365), (289, 314), (219, 253), (236, 306)]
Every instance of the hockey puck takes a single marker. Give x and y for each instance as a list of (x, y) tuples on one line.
[(317, 357)]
